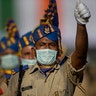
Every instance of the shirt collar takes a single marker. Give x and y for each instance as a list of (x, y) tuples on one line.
[(36, 68)]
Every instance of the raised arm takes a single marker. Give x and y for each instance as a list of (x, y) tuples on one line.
[(79, 56)]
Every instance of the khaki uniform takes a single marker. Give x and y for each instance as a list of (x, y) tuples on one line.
[(84, 84), (56, 83), (88, 88), (3, 84)]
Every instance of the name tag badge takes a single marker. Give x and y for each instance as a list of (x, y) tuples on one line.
[(26, 88)]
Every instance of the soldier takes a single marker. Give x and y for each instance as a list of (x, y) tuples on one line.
[(27, 57), (9, 43), (8, 47), (27, 49), (9, 56), (8, 61), (48, 77)]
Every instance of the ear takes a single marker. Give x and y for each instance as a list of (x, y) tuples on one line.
[(58, 54)]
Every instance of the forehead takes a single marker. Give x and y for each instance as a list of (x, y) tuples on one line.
[(28, 48), (8, 51), (45, 40)]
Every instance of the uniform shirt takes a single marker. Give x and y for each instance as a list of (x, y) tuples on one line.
[(3, 85), (88, 88), (56, 83)]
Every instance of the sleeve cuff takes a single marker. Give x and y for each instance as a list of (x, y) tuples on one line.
[(72, 69)]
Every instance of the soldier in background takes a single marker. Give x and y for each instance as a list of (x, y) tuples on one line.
[(8, 61), (27, 49), (27, 58), (8, 55), (9, 42)]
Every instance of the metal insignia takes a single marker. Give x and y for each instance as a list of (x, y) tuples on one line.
[(31, 38), (46, 29)]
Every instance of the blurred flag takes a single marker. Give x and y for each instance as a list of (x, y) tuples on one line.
[(6, 11)]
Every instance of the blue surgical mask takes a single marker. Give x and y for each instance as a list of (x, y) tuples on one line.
[(9, 61), (28, 61), (46, 56)]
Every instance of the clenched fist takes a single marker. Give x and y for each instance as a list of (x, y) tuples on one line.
[(81, 13)]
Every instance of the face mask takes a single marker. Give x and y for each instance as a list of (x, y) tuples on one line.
[(9, 61), (28, 62), (46, 56)]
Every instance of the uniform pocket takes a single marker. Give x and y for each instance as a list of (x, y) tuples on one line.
[(61, 93)]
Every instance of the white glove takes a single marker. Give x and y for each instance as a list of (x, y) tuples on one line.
[(81, 13)]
